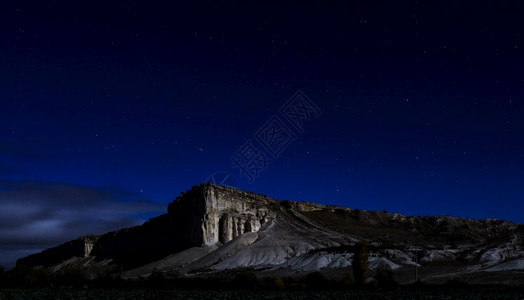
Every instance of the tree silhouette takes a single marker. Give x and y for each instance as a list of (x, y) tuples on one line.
[(360, 262)]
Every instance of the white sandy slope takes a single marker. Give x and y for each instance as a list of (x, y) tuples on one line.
[(295, 243), (173, 261), (279, 244), (514, 265)]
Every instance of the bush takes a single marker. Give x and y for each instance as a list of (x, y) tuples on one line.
[(385, 277)]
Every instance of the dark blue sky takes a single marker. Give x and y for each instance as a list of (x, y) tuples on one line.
[(109, 111)]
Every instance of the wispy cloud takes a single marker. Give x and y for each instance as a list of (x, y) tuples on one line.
[(37, 215)]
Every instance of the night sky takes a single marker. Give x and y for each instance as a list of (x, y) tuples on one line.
[(109, 111)]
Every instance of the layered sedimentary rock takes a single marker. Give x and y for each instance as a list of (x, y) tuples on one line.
[(212, 229), (203, 216), (219, 214)]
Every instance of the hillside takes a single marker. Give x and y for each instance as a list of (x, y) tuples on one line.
[(214, 230)]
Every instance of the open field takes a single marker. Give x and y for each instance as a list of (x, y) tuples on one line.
[(296, 295)]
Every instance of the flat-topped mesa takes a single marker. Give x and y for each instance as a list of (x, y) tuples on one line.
[(188, 238), (203, 216), (219, 213)]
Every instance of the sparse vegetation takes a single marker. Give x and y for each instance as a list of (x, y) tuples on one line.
[(244, 285), (385, 277), (296, 295)]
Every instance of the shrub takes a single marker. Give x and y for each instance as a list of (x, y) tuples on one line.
[(385, 277)]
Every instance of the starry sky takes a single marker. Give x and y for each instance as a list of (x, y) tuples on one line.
[(110, 109)]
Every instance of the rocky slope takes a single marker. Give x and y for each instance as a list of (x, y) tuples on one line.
[(213, 230)]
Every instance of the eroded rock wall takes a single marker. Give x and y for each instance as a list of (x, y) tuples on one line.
[(230, 213), (210, 214), (203, 216)]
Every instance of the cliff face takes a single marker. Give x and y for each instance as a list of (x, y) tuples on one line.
[(210, 229), (219, 214), (206, 215)]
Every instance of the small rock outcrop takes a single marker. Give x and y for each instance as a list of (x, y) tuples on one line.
[(80, 247)]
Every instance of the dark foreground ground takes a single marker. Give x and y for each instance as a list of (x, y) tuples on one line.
[(296, 295)]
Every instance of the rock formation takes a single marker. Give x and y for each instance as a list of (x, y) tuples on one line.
[(211, 229), (206, 215), (218, 214), (80, 247)]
